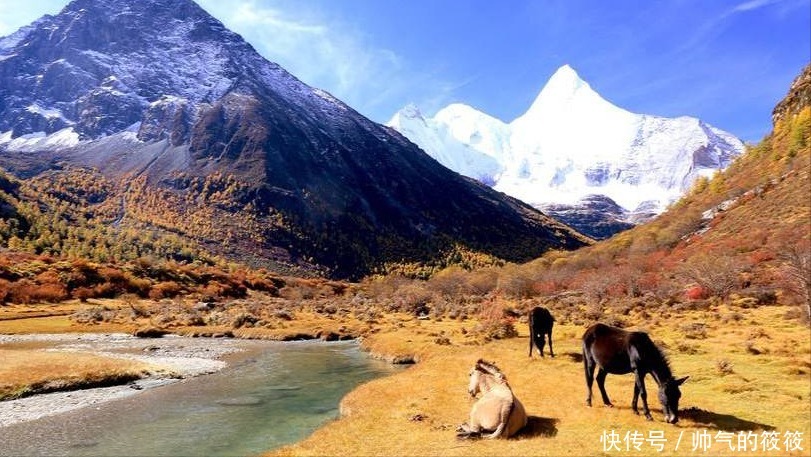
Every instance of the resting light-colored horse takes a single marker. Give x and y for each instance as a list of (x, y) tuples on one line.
[(497, 412)]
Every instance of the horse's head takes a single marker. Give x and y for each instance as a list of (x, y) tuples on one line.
[(669, 395), (479, 374), (473, 384)]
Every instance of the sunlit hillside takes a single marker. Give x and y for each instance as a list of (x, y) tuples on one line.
[(741, 237)]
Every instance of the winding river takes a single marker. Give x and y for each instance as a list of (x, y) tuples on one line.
[(279, 395)]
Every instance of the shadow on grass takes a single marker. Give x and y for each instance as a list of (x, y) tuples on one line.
[(725, 422), (576, 357), (539, 426)]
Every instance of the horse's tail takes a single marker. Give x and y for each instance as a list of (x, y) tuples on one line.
[(588, 361)]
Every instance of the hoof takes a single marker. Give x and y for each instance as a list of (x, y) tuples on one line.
[(636, 412), (649, 417)]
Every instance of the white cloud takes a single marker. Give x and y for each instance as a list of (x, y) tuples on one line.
[(322, 52), (781, 6), (752, 5)]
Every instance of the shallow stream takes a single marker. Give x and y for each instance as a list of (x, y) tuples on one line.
[(279, 395)]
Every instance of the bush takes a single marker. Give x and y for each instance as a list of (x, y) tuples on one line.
[(5, 290), (695, 331), (413, 298), (515, 282), (716, 274), (696, 293), (494, 324), (166, 289), (83, 293), (244, 320), (48, 287)]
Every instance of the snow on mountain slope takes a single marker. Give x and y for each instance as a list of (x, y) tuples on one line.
[(160, 91), (572, 143), (474, 156)]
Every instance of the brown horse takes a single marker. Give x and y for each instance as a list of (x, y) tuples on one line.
[(616, 351), (498, 411)]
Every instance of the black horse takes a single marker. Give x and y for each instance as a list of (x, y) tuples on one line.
[(616, 351), (540, 324)]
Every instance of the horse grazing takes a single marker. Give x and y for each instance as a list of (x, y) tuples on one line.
[(616, 351), (540, 324), (497, 411)]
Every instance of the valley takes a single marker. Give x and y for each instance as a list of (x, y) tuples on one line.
[(181, 217)]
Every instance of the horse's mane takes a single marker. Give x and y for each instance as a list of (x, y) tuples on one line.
[(487, 367), (658, 355)]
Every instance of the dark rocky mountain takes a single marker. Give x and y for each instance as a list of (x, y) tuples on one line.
[(594, 215), (205, 138)]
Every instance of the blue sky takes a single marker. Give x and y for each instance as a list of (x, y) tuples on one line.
[(725, 61)]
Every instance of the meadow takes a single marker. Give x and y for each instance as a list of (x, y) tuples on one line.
[(749, 378), (749, 368)]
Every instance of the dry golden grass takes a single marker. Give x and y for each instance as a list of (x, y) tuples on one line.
[(750, 370), (25, 372), (55, 318), (417, 411)]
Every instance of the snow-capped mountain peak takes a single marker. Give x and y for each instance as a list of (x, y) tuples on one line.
[(451, 134), (572, 142), (564, 86), (564, 96)]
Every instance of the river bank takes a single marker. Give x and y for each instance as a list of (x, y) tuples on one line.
[(170, 359), (265, 398)]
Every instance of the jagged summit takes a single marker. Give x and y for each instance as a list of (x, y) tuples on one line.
[(126, 57), (161, 94), (571, 143)]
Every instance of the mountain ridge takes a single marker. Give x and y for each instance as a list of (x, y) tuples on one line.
[(195, 127), (571, 143)]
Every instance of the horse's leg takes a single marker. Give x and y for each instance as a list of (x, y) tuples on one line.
[(588, 368), (531, 336), (635, 402), (550, 343), (464, 431), (543, 342), (601, 374), (530, 343), (640, 385)]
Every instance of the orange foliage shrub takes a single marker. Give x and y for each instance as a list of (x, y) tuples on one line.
[(83, 293), (51, 292), (26, 291), (494, 323), (166, 289), (696, 293), (5, 289)]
